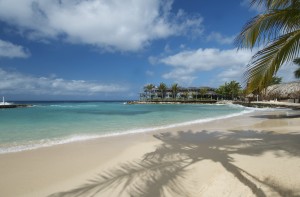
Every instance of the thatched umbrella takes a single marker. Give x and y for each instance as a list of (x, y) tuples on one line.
[(284, 90)]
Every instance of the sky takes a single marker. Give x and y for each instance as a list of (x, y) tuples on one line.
[(109, 49)]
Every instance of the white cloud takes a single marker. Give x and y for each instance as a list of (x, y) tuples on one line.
[(187, 65), (10, 50), (181, 75), (17, 83), (231, 73), (149, 73), (111, 25), (207, 59), (217, 37), (227, 65), (259, 9)]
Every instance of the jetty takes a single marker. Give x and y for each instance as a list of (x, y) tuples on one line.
[(14, 106), (6, 105)]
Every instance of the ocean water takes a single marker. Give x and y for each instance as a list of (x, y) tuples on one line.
[(52, 123)]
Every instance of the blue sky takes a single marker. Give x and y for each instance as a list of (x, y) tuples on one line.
[(109, 49)]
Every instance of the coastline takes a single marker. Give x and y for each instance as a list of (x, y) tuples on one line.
[(248, 139), (269, 104), (79, 138)]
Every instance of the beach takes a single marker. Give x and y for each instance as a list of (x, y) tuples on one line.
[(254, 154)]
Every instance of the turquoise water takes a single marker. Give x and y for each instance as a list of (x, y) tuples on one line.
[(51, 123)]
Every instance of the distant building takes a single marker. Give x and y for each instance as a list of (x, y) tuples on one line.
[(183, 93)]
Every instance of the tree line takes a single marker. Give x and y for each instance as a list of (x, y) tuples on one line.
[(229, 90)]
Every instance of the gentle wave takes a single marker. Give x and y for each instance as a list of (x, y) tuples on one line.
[(46, 143), (74, 138)]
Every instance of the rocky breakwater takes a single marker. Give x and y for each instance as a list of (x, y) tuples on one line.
[(14, 106)]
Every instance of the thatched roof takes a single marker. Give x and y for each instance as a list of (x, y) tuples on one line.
[(285, 90)]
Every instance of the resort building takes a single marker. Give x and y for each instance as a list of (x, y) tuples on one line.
[(182, 93)]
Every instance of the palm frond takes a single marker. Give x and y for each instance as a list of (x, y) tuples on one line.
[(272, 4), (297, 61), (297, 72), (266, 62), (269, 26)]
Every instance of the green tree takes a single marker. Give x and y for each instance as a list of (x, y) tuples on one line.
[(277, 29), (229, 90), (148, 89), (275, 80), (297, 72), (202, 92), (174, 90), (162, 89), (221, 91), (233, 89)]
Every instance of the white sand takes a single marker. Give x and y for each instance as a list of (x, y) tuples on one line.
[(256, 154)]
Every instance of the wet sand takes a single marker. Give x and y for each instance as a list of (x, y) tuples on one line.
[(255, 154)]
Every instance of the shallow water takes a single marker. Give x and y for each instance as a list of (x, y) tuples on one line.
[(51, 123)]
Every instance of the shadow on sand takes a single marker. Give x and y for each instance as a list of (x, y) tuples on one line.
[(164, 169), (278, 116)]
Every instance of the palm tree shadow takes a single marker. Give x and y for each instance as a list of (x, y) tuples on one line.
[(164, 170), (278, 116)]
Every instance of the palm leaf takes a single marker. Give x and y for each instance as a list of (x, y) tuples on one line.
[(266, 62), (297, 72), (272, 4), (269, 26), (297, 61)]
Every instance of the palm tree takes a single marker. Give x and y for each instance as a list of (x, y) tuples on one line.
[(297, 72), (277, 29), (174, 90), (149, 88), (221, 91), (234, 89), (202, 92), (162, 88)]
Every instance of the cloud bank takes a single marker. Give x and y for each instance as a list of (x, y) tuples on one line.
[(111, 25), (186, 65), (10, 50), (17, 83)]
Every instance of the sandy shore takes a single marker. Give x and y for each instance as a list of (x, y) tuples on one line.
[(256, 154)]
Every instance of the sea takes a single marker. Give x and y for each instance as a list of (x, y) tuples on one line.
[(51, 123)]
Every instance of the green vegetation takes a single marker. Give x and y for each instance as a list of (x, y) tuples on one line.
[(275, 80), (175, 89), (162, 88), (297, 72), (230, 91), (148, 89), (277, 30), (202, 92)]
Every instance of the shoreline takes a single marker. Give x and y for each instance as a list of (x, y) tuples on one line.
[(173, 102), (268, 104), (79, 138), (64, 169)]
